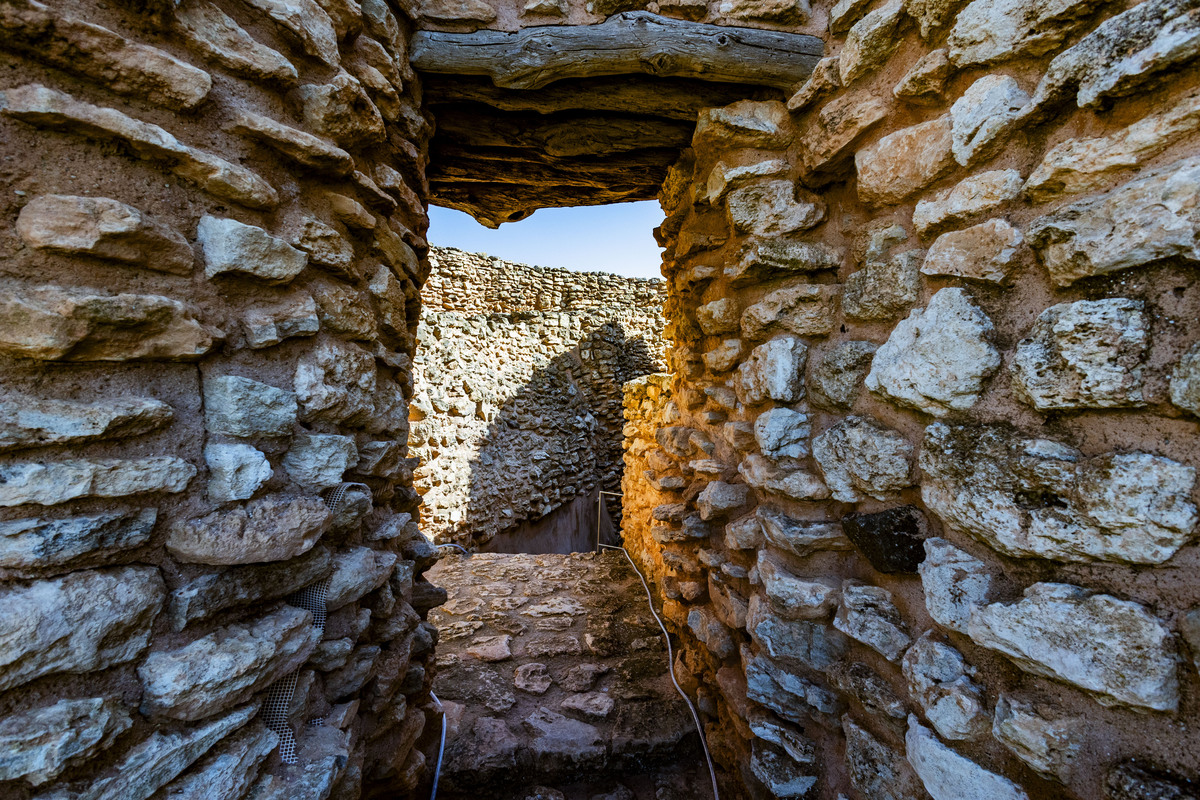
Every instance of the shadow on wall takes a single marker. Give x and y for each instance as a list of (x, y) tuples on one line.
[(553, 445)]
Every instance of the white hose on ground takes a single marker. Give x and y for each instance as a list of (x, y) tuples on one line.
[(671, 669), (437, 770)]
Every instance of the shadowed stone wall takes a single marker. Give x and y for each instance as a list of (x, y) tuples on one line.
[(517, 407), (210, 255)]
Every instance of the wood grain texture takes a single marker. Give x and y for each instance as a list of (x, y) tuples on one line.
[(635, 42)]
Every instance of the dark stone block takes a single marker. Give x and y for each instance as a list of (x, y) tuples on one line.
[(890, 540), (1129, 781)]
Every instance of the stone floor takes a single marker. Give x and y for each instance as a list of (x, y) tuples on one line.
[(554, 678)]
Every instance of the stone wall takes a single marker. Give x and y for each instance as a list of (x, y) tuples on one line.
[(210, 252), (518, 373), (921, 496)]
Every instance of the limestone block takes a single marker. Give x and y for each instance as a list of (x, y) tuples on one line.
[(28, 421), (214, 33), (931, 15), (804, 309), (744, 533), (800, 537), (955, 582), (228, 769), (989, 252), (777, 11), (990, 31), (939, 679), (590, 704), (870, 42), (243, 407), (273, 528), (1044, 741), (48, 484), (206, 595), (552, 8), (37, 543), (949, 776), (762, 260), (1086, 354), (773, 208), (473, 13), (844, 14), (978, 194), (773, 371), (157, 759), (938, 359), (808, 643), (926, 81), (304, 22), (78, 623), (867, 614), (296, 145), (561, 741), (48, 108), (780, 773), (1145, 220), (903, 163), (350, 678), (767, 727), (101, 55), (1083, 165), (717, 317), (724, 356), (104, 228), (877, 770), (983, 117), (793, 597), (356, 572), (226, 667), (719, 498), (390, 302), (336, 382), (796, 484), (294, 314), (1126, 507), (235, 471), (1123, 53), (784, 691), (1114, 649), (838, 374), (233, 247), (40, 743), (52, 324), (341, 110), (827, 136), (1185, 381), (861, 458), (532, 678), (783, 433), (346, 16), (746, 123), (318, 461), (883, 289), (725, 177)]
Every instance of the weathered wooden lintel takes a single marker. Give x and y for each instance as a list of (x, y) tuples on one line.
[(635, 42)]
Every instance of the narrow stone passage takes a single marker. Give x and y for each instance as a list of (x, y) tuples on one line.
[(554, 676)]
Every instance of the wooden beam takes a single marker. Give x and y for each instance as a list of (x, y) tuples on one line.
[(635, 42), (561, 137), (667, 98)]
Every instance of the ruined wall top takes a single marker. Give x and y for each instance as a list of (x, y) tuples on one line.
[(476, 283)]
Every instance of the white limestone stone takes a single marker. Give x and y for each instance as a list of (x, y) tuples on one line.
[(1185, 381), (39, 543), (234, 247), (356, 572), (773, 208), (954, 582), (861, 458), (990, 31), (949, 776), (793, 597), (1113, 648), (319, 460), (939, 679), (773, 371), (1086, 354), (243, 407), (989, 251), (937, 359), (273, 528), (235, 471), (1045, 741), (801, 537), (984, 115), (51, 483), (29, 421), (782, 433), (867, 614), (38, 744), (977, 194)]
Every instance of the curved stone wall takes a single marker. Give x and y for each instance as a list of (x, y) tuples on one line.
[(517, 408), (210, 252)]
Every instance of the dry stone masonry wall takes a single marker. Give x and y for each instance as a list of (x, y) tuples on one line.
[(517, 407), (920, 493), (210, 257)]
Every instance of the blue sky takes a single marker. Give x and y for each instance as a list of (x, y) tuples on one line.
[(613, 238)]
